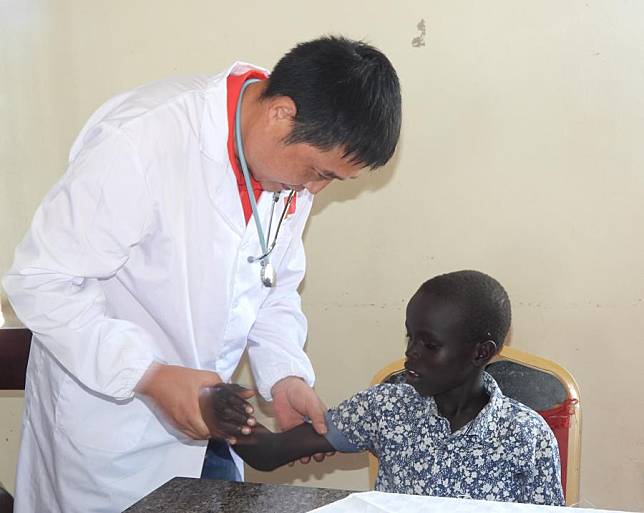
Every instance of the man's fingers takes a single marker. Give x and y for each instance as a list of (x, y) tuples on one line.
[(320, 427), (318, 456), (316, 414), (305, 460), (191, 433), (177, 393), (288, 419), (199, 429), (209, 379)]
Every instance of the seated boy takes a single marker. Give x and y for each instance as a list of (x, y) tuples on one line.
[(447, 431)]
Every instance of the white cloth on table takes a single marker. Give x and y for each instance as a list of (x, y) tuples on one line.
[(382, 502)]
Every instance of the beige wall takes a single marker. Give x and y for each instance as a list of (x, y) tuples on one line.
[(521, 156)]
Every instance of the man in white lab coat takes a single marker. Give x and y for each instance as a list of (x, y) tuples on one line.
[(135, 275)]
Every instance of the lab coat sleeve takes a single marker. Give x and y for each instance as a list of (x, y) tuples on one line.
[(82, 233), (276, 340)]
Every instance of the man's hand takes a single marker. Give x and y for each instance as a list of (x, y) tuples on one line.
[(227, 413), (175, 392), (293, 400)]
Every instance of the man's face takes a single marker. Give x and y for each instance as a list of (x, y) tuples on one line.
[(439, 355), (277, 165), (300, 166)]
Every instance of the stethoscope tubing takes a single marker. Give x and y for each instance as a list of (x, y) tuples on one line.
[(289, 199), (266, 251), (244, 166)]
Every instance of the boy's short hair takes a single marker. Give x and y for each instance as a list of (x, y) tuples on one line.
[(347, 95), (485, 303)]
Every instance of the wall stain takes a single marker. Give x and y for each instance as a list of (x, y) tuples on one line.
[(419, 40)]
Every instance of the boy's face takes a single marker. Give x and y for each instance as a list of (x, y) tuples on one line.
[(439, 355)]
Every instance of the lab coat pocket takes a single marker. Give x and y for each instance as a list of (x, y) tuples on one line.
[(96, 422)]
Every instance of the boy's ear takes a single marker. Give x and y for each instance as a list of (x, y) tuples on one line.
[(484, 352)]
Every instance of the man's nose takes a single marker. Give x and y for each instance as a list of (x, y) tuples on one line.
[(316, 186)]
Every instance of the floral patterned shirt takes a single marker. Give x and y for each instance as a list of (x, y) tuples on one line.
[(507, 453)]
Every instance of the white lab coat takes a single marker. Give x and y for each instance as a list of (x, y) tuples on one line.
[(139, 254)]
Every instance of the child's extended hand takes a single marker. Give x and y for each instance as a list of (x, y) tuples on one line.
[(226, 412)]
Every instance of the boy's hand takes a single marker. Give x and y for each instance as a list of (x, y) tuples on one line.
[(227, 413), (175, 392)]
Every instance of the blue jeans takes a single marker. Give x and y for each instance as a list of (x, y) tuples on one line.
[(218, 463)]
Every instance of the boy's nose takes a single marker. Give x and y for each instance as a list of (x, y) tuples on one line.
[(412, 350)]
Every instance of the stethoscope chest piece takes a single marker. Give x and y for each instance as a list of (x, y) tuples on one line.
[(267, 274)]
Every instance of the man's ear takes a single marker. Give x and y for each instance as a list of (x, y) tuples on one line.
[(484, 352), (281, 108)]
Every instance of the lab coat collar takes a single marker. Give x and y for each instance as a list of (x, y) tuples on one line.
[(213, 145), (214, 131)]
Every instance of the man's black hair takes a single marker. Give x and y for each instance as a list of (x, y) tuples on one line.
[(485, 303), (347, 95)]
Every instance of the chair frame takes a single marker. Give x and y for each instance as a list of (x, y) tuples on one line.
[(544, 365)]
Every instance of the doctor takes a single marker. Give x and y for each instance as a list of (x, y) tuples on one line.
[(145, 274)]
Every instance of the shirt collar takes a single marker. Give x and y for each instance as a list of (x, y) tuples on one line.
[(485, 424)]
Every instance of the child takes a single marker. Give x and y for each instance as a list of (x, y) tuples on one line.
[(447, 431)]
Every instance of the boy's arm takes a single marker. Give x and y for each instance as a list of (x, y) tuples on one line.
[(265, 450), (224, 409)]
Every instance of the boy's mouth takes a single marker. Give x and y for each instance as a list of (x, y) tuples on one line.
[(411, 373)]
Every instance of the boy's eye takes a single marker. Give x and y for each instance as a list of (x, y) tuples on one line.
[(430, 345)]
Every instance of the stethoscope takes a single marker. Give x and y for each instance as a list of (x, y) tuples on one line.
[(267, 271)]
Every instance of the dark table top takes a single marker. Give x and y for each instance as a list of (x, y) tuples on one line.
[(185, 495)]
